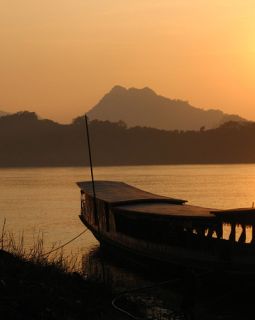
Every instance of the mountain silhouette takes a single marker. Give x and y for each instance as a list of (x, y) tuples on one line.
[(143, 107)]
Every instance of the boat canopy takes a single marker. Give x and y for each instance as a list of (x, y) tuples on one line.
[(135, 203), (120, 193)]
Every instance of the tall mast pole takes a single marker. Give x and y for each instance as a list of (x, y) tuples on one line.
[(91, 169), (94, 191)]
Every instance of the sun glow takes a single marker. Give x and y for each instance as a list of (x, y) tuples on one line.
[(59, 58)]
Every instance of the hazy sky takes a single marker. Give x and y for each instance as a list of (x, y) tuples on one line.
[(58, 57)]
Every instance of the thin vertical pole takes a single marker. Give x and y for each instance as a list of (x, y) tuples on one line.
[(94, 191), (91, 169)]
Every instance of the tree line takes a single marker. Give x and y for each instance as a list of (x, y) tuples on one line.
[(26, 140)]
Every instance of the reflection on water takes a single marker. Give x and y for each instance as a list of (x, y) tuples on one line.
[(97, 265), (189, 295), (147, 295)]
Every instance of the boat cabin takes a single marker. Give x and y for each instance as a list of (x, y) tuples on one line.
[(121, 208)]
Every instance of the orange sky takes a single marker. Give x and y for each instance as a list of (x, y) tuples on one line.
[(58, 57)]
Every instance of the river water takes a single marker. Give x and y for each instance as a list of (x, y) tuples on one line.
[(47, 201)]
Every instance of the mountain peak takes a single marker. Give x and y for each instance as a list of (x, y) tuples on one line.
[(118, 89), (122, 90), (144, 107), (143, 91)]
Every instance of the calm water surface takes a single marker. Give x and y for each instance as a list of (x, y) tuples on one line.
[(47, 199)]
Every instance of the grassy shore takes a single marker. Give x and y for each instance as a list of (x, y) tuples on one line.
[(30, 290), (35, 285)]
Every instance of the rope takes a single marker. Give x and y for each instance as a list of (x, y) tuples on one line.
[(65, 244)]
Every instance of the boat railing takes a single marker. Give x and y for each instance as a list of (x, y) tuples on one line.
[(194, 243)]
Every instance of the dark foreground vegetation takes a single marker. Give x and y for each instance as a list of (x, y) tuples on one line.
[(30, 290), (46, 284), (26, 140), (34, 286)]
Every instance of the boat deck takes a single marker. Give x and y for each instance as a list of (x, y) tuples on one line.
[(166, 209)]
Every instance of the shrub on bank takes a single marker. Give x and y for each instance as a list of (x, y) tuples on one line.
[(35, 285)]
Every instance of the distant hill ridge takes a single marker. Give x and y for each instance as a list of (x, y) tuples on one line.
[(26, 140), (143, 107), (3, 113)]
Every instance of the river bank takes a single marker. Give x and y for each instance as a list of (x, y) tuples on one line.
[(30, 290), (43, 290)]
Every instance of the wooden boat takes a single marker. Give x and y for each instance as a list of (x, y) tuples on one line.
[(167, 231)]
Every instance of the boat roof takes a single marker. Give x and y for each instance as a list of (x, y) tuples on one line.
[(237, 215), (117, 193), (165, 210), (130, 200)]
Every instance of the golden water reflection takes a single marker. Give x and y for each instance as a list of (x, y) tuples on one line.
[(48, 200)]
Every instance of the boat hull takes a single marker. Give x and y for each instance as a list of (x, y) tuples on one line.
[(172, 262)]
